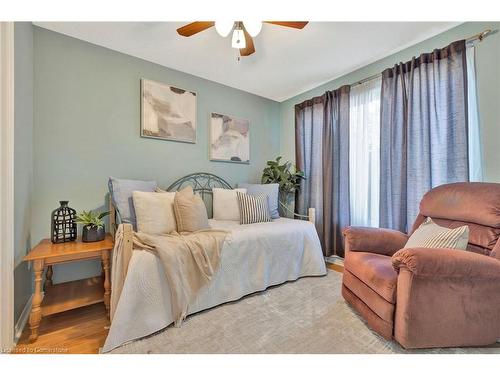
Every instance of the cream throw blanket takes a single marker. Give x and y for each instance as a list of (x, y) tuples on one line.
[(189, 261)]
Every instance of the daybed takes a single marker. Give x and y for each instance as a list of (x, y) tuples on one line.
[(254, 257)]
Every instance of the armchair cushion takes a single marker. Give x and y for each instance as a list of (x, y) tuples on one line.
[(374, 270), (473, 202), (374, 240), (446, 263)]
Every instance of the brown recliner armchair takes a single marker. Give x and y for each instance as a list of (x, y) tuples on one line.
[(425, 297)]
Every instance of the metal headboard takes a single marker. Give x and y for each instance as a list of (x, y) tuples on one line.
[(202, 184)]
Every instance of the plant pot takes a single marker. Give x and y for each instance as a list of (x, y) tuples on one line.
[(93, 234), (288, 200)]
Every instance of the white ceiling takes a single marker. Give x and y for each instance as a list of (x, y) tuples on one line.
[(286, 62)]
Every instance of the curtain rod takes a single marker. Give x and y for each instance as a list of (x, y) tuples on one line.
[(480, 36)]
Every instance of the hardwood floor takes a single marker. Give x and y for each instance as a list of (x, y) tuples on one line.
[(335, 267), (78, 331)]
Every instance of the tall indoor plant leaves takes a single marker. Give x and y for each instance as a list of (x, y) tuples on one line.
[(287, 176)]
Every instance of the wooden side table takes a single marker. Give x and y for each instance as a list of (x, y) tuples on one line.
[(70, 295)]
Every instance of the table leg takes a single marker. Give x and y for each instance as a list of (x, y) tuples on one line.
[(36, 311), (48, 278), (107, 283)]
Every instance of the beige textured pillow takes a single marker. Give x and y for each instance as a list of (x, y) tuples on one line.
[(154, 212), (429, 234), (190, 211)]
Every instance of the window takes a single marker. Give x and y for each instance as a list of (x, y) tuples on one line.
[(364, 145), (364, 152)]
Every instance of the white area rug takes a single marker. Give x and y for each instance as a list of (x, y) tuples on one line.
[(305, 316)]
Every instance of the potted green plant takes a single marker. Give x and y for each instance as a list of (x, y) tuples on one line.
[(287, 176), (93, 225)]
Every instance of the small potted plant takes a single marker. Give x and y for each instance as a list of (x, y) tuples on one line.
[(93, 225)]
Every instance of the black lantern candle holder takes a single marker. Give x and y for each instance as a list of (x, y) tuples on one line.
[(63, 228)]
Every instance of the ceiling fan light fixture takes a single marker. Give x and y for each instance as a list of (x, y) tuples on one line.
[(224, 27), (253, 27), (243, 31), (238, 40)]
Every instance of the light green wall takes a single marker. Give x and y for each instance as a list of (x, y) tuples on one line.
[(488, 80), (23, 161), (86, 128)]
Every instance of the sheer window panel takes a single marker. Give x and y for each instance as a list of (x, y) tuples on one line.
[(475, 144), (364, 153)]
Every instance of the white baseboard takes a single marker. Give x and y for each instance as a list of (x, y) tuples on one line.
[(23, 319)]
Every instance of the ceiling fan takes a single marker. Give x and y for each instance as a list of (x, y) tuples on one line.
[(243, 31)]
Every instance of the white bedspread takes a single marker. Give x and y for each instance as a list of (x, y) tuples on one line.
[(254, 257)]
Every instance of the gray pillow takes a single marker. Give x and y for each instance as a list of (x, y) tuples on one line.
[(120, 192), (272, 192)]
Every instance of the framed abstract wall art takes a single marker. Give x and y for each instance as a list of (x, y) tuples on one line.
[(167, 112)]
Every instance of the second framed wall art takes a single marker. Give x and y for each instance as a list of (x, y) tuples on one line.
[(229, 139)]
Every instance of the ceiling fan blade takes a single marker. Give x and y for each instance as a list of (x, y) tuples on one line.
[(292, 24), (250, 48), (194, 27)]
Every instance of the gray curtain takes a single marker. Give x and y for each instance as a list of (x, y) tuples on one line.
[(423, 131), (322, 152)]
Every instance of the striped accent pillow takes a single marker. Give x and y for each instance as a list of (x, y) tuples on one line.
[(253, 208), (429, 234)]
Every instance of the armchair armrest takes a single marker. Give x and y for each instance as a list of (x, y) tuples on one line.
[(374, 240), (446, 263), (446, 298)]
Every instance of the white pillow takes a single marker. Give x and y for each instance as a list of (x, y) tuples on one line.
[(225, 204), (154, 212)]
